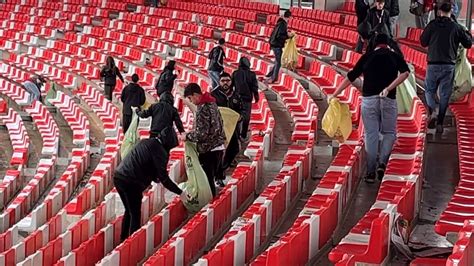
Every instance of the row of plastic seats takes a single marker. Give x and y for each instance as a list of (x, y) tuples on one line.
[(342, 36), (13, 73), (323, 16), (17, 37), (417, 58), (348, 60), (412, 37), (50, 70), (254, 226), (458, 210), (15, 93), (254, 6), (347, 7), (20, 142), (215, 10), (324, 209), (249, 44), (399, 194)]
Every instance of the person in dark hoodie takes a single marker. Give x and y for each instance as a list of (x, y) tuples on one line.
[(278, 38), (164, 114), (226, 96), (208, 132), (166, 80), (109, 73), (144, 164), (133, 95), (442, 36), (246, 85), (361, 8)]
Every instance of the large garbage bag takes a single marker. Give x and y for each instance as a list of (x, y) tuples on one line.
[(406, 92), (337, 121), (51, 94), (197, 185), (290, 54), (462, 76), (131, 137), (230, 119)]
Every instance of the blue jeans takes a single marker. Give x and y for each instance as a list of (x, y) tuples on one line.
[(379, 115), (214, 76), (442, 77), (278, 52)]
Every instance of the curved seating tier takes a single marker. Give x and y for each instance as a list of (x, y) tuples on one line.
[(19, 138)]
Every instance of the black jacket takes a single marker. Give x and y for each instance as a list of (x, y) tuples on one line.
[(393, 7), (232, 101), (132, 95), (163, 115), (443, 36), (379, 21), (216, 57), (279, 34), (110, 76), (361, 9), (245, 81), (147, 162), (166, 81)]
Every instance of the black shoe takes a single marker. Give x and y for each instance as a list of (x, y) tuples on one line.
[(381, 171), (370, 178), (439, 129), (220, 183), (432, 123)]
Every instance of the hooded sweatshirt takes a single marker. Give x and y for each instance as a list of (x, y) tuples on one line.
[(245, 81), (166, 81), (443, 36), (208, 131), (132, 95), (163, 115)]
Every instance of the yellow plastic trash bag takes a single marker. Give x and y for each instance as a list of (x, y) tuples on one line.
[(337, 122), (462, 76), (290, 54), (131, 137), (230, 119), (197, 185)]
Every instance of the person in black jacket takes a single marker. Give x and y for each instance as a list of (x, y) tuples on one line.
[(226, 96), (216, 62), (132, 96), (362, 8), (442, 36), (163, 114), (277, 41), (166, 81), (393, 7), (144, 164), (379, 19), (109, 73), (246, 85)]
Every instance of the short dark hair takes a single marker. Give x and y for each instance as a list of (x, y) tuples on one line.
[(191, 89), (380, 1), (381, 38), (287, 14), (446, 7), (221, 41), (224, 75), (135, 78)]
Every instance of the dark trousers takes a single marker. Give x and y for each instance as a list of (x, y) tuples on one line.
[(211, 162), (126, 121), (244, 123), (131, 196), (273, 74), (232, 150), (108, 90)]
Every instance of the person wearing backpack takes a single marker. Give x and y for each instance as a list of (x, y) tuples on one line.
[(166, 80), (277, 41), (109, 73), (216, 62), (163, 115)]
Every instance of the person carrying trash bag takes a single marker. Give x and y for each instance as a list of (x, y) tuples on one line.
[(208, 132), (144, 164), (380, 68)]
